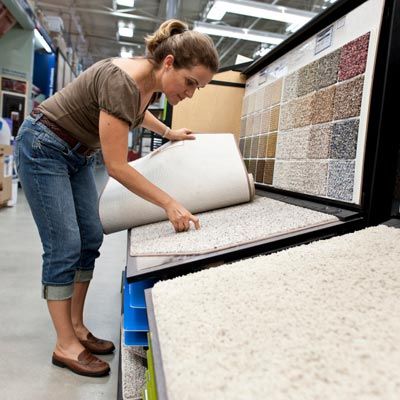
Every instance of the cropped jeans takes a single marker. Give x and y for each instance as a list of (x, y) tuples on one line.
[(61, 192)]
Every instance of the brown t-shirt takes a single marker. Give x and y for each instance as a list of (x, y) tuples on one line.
[(103, 86)]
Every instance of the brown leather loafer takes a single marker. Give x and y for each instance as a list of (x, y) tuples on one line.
[(98, 346), (86, 365)]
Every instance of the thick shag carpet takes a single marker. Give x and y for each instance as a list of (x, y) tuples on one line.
[(320, 321), (225, 228)]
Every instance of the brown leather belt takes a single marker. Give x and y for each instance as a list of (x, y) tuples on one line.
[(62, 134)]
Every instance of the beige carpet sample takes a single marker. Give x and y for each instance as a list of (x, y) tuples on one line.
[(202, 174), (318, 321), (228, 227)]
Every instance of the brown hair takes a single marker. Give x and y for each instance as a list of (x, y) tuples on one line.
[(189, 48)]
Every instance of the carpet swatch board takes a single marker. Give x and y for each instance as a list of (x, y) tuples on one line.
[(225, 228), (319, 321), (308, 121), (303, 127), (202, 174)]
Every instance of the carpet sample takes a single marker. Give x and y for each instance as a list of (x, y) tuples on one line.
[(322, 106), (256, 123), (267, 97), (247, 148), (259, 100), (249, 125), (251, 105), (348, 98), (260, 171), (293, 144), (307, 79), (274, 120), (243, 126), (344, 139), (303, 176), (269, 172), (215, 161), (302, 111), (226, 228), (318, 321), (315, 179), (262, 146), (271, 145), (254, 147), (290, 87), (276, 91), (241, 146), (132, 372), (341, 180), (320, 141), (265, 117), (327, 69), (353, 59), (252, 167)]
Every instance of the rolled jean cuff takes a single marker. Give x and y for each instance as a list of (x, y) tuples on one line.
[(57, 292), (83, 275)]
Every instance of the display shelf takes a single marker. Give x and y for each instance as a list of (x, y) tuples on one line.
[(135, 324)]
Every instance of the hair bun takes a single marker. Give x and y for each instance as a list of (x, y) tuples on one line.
[(167, 29)]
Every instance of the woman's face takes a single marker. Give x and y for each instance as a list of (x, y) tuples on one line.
[(178, 84)]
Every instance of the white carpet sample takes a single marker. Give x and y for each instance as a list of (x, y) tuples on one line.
[(202, 174), (320, 321), (132, 372), (225, 228)]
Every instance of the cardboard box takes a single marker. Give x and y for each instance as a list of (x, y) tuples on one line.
[(5, 173)]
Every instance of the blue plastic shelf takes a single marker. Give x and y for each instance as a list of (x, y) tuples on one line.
[(135, 319), (136, 292), (135, 323), (136, 339)]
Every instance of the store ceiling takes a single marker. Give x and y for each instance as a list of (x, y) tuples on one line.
[(91, 26)]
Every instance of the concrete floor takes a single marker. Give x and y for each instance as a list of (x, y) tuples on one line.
[(26, 334)]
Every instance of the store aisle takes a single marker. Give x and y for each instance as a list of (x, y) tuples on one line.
[(26, 334)]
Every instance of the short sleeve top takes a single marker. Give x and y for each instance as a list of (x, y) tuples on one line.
[(103, 86)]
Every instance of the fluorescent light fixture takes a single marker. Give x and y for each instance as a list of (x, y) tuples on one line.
[(125, 29), (239, 33), (259, 10), (125, 3), (42, 41), (126, 53)]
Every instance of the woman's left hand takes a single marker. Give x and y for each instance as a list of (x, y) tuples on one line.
[(180, 134)]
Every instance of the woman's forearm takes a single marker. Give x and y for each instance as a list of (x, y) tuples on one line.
[(153, 124)]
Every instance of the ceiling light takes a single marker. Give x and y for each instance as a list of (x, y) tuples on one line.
[(239, 33), (125, 3), (42, 41), (125, 29), (126, 53), (259, 10)]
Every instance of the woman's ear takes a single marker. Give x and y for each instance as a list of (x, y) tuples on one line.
[(169, 61)]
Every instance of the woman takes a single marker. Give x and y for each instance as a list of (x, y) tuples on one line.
[(55, 146)]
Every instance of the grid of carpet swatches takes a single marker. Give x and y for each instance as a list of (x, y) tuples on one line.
[(300, 132)]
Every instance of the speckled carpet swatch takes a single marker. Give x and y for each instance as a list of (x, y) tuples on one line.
[(132, 372), (225, 228), (319, 321), (311, 114)]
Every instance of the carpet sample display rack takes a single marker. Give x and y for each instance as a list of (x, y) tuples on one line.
[(304, 146), (329, 148)]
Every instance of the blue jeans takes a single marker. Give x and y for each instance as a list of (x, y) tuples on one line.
[(61, 192)]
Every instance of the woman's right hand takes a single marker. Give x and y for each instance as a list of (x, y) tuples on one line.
[(180, 217)]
